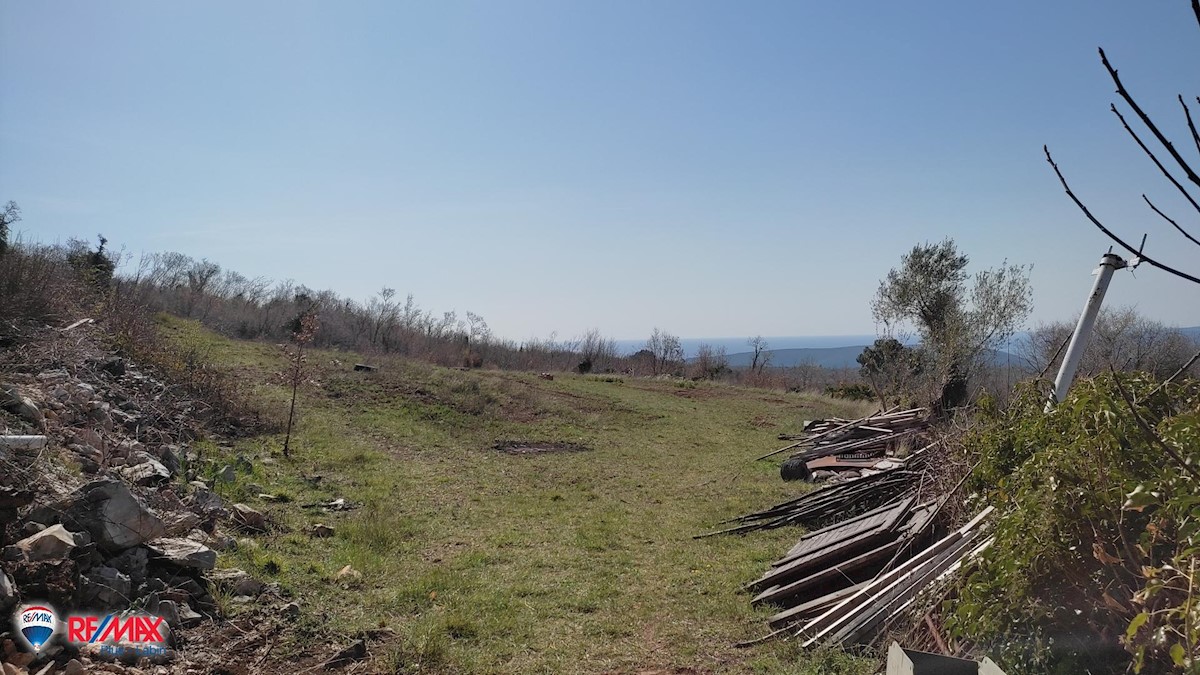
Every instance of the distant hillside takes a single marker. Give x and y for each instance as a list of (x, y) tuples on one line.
[(832, 357), (826, 357)]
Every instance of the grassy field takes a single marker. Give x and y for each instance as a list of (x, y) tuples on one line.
[(488, 562)]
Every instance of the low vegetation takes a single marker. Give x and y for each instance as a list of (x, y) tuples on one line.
[(484, 561)]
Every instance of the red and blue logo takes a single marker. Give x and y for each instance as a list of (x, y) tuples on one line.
[(36, 624), (135, 633)]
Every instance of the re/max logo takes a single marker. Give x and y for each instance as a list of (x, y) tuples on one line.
[(114, 628)]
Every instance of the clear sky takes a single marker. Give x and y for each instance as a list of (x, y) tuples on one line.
[(713, 168)]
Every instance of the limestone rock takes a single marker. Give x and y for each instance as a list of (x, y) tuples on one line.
[(184, 552), (51, 543), (249, 518), (117, 520), (236, 581), (149, 472)]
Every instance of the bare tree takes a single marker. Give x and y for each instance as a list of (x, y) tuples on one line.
[(1121, 340), (306, 328), (667, 351), (10, 215), (762, 356), (710, 362)]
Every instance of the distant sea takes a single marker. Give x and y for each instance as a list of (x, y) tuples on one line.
[(735, 345)]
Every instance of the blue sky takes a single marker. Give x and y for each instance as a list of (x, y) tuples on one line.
[(712, 168)]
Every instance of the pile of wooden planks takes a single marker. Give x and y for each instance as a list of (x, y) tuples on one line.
[(836, 501), (858, 617), (818, 571), (829, 447)]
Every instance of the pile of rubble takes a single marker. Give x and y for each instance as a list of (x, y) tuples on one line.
[(96, 509)]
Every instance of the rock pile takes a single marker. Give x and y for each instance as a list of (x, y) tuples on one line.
[(128, 530)]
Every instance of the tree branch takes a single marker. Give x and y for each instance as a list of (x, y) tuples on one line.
[(1153, 158), (1182, 370), (1169, 220), (1187, 112), (1112, 72), (1144, 258)]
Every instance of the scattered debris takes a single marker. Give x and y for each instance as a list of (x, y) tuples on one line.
[(902, 661), (361, 367), (321, 531), (339, 504), (77, 324)]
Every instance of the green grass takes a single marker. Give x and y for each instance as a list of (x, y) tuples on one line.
[(485, 562)]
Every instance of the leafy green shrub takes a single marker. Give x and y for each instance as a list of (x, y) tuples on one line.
[(1095, 546)]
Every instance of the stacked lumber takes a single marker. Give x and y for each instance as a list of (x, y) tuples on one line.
[(838, 445), (857, 618), (837, 500), (812, 575)]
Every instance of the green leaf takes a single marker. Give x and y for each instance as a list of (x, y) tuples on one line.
[(1177, 654), (1137, 623)]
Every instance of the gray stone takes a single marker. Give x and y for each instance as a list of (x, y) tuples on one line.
[(205, 500), (132, 563), (149, 472), (227, 474), (170, 458), (21, 406), (114, 366), (73, 667), (8, 592), (51, 543), (184, 552), (169, 611), (116, 519), (56, 376), (249, 518), (236, 581), (188, 616), (182, 523), (104, 588)]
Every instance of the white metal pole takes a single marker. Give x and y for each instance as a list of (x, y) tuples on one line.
[(1083, 331)]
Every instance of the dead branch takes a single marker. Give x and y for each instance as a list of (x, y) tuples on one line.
[(1095, 221), (1182, 370), (1153, 158), (1170, 148), (1170, 220), (1187, 113)]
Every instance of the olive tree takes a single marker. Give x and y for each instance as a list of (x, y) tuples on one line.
[(958, 317)]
